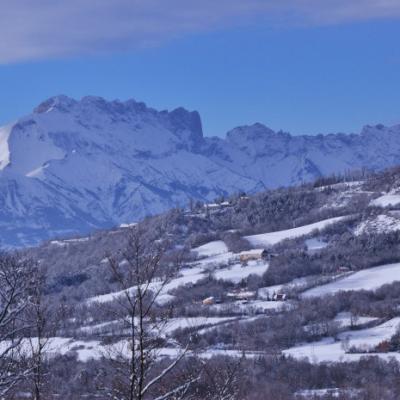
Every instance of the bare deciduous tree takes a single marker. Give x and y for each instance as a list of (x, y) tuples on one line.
[(41, 329), (134, 361), (14, 290), (222, 378)]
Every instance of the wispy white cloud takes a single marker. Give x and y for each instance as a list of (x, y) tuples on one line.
[(37, 29)]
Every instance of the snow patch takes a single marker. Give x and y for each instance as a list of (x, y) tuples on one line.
[(367, 279), (37, 172), (4, 149), (238, 272), (187, 276), (211, 249), (386, 200), (346, 320), (315, 244), (329, 350), (272, 238), (131, 225)]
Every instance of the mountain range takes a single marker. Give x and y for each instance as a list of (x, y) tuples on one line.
[(75, 166)]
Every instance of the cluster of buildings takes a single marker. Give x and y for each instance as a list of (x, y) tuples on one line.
[(242, 295), (245, 295)]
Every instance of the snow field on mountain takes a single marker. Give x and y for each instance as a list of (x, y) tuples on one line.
[(329, 350), (4, 149), (367, 279), (272, 238)]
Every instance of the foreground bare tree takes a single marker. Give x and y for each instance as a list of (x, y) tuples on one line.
[(134, 361), (15, 283), (42, 327), (222, 378)]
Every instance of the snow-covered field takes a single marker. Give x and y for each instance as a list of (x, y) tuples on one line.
[(214, 261), (386, 200), (251, 306), (346, 320), (329, 350), (331, 392), (165, 328), (235, 274), (315, 244), (296, 284), (53, 346), (188, 276), (86, 350), (272, 238), (213, 254), (211, 249), (368, 279), (194, 322), (238, 272), (65, 242)]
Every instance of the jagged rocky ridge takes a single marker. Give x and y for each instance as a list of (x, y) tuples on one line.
[(75, 166)]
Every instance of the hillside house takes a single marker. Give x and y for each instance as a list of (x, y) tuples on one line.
[(253, 255), (279, 297), (208, 301), (242, 295)]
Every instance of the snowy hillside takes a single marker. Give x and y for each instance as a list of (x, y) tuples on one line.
[(75, 166), (304, 277)]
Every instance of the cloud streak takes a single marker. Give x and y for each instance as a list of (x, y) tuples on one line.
[(41, 29)]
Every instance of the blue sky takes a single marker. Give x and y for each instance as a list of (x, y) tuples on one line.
[(302, 75)]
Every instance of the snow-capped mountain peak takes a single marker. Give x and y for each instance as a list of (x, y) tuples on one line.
[(76, 165)]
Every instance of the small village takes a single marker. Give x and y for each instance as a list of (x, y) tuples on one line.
[(244, 295)]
